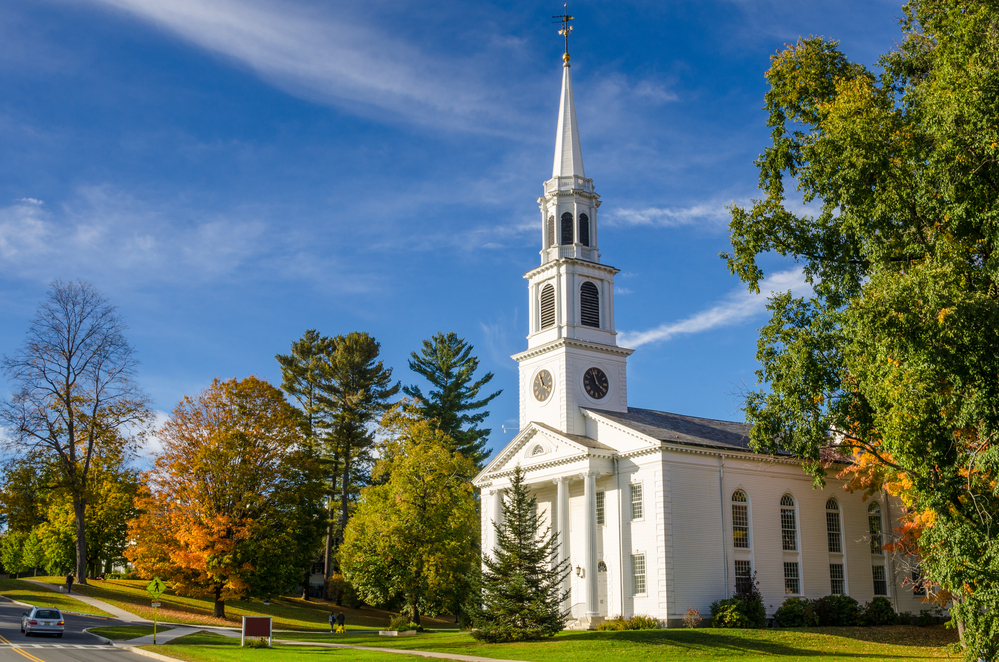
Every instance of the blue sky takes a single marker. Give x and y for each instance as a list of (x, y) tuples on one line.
[(234, 172)]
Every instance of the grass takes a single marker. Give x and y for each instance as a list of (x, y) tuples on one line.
[(207, 647), (708, 645), (288, 613), (126, 632), (22, 591)]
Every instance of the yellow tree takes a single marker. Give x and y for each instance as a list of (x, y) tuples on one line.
[(414, 535), (233, 504)]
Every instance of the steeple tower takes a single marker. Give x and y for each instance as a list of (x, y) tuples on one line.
[(572, 359)]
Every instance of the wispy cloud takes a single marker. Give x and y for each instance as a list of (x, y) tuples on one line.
[(739, 306), (321, 52), (713, 214)]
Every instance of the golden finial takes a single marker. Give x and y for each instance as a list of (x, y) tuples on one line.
[(565, 31)]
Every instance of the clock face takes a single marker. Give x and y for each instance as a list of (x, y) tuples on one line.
[(543, 385), (595, 383)]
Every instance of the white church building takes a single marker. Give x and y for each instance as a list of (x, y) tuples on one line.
[(658, 512)]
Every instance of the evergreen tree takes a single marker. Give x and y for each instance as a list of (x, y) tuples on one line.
[(446, 362), (522, 582)]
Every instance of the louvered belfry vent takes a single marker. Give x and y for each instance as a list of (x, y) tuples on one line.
[(567, 229), (589, 305), (551, 232), (547, 306), (584, 229)]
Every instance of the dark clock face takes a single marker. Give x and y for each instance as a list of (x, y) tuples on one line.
[(595, 383), (543, 385)]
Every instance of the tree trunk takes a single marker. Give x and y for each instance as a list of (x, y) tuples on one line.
[(329, 563), (414, 612), (219, 603), (80, 512), (306, 583)]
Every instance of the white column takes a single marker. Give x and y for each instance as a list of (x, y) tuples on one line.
[(590, 548), (497, 517), (563, 532)]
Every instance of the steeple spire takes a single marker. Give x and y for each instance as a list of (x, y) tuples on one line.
[(568, 155)]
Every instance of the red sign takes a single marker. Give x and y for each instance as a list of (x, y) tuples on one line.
[(256, 626)]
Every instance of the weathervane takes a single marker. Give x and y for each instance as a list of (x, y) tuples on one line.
[(566, 30)]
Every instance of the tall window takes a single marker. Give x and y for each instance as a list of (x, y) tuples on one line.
[(638, 573), (833, 529), (566, 229), (740, 520), (874, 525), (551, 231), (788, 525), (636, 501), (547, 306), (589, 304), (836, 582), (792, 582), (743, 577), (600, 508), (880, 583), (584, 229)]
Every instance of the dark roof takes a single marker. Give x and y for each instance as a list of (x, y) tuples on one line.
[(582, 441), (680, 429)]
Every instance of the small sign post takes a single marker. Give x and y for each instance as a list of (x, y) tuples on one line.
[(257, 626), (155, 589)]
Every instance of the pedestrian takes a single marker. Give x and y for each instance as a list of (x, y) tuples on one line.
[(69, 583), (332, 622), (340, 620)]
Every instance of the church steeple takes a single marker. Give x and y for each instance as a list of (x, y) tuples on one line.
[(568, 155)]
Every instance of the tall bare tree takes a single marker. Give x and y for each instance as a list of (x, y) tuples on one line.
[(75, 398)]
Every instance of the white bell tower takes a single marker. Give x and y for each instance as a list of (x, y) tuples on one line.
[(572, 359)]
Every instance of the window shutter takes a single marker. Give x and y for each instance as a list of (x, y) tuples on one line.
[(567, 229), (584, 229), (547, 306), (551, 232), (589, 305)]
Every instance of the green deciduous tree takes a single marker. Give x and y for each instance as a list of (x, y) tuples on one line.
[(413, 536), (522, 592), (893, 360), (232, 508), (75, 397), (453, 402)]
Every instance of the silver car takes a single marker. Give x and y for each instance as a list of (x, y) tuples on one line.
[(42, 620)]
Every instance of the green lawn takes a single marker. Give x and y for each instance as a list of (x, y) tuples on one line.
[(896, 643), (15, 589), (126, 632), (288, 613), (208, 647)]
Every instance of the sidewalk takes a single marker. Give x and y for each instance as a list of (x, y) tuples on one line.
[(117, 612), (179, 631)]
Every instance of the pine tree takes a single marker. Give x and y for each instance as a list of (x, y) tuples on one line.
[(446, 362), (522, 592)]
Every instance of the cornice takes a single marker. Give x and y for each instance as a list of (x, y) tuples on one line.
[(571, 343), (558, 262)]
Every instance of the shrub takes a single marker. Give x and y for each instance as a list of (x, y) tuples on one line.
[(643, 622), (401, 623), (753, 607), (259, 642), (795, 613), (614, 623), (879, 612), (925, 618), (692, 618), (729, 614), (837, 610)]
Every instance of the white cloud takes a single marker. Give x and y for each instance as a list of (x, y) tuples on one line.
[(739, 306), (712, 214)]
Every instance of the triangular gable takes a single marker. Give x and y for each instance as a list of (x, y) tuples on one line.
[(626, 439), (539, 444)]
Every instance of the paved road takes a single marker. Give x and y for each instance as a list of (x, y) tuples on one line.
[(74, 644)]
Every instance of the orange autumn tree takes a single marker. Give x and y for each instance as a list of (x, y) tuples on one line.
[(232, 508)]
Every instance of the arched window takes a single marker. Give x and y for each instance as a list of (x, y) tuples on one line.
[(874, 524), (566, 229), (589, 305), (833, 529), (538, 450), (740, 520), (584, 229), (601, 566), (788, 524), (551, 232), (547, 306)]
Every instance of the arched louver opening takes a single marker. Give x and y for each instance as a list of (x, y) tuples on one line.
[(589, 305), (551, 232), (547, 306), (567, 229), (584, 229)]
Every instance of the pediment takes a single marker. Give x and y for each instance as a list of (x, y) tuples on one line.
[(539, 445)]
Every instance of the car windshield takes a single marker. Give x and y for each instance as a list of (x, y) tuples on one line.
[(47, 613)]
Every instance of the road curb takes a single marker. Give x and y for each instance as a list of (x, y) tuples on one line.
[(104, 640), (143, 651)]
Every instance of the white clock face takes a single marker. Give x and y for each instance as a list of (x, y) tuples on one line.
[(543, 385)]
